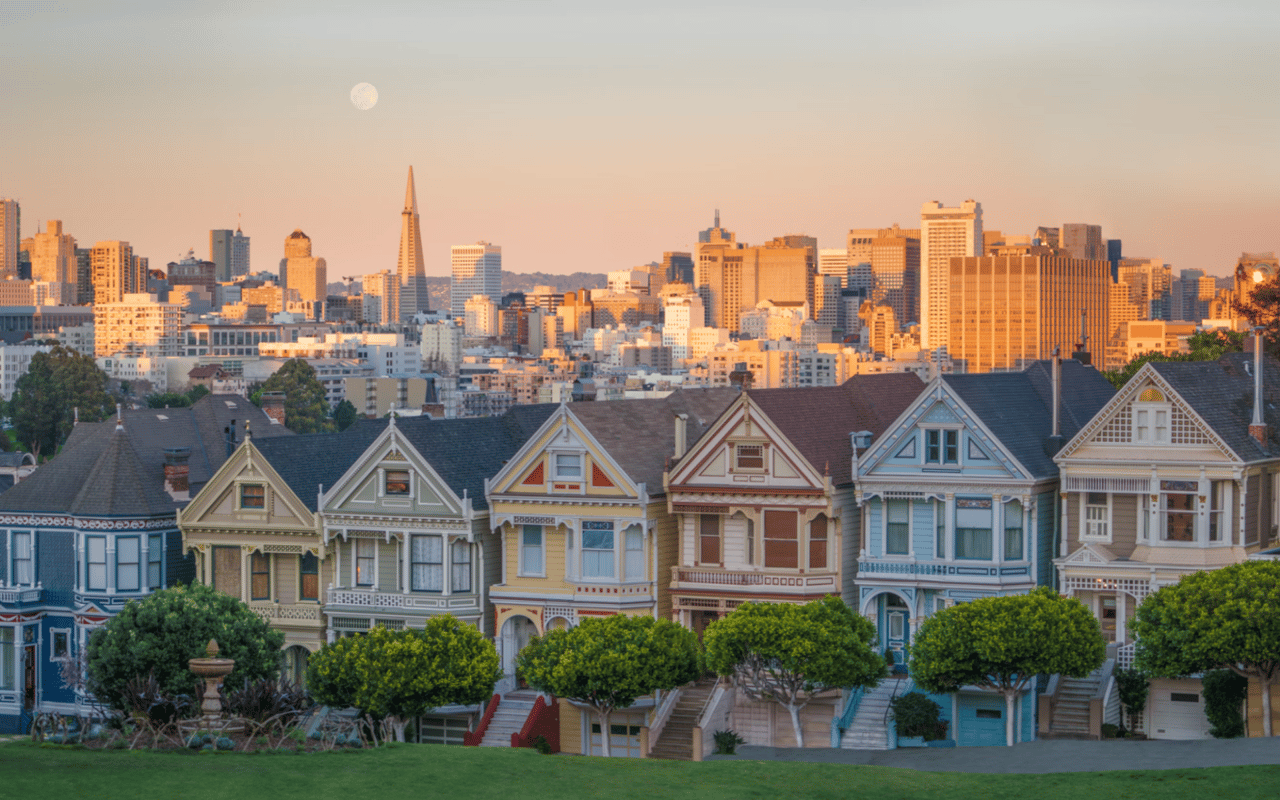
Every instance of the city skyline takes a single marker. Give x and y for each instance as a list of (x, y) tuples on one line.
[(571, 123)]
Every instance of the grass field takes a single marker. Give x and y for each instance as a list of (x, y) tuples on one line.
[(28, 770)]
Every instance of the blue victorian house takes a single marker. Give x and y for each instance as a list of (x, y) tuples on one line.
[(961, 498), (94, 528)]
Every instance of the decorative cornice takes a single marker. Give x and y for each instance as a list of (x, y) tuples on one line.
[(79, 523)]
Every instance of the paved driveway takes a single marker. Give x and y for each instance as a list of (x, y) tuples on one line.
[(1039, 757)]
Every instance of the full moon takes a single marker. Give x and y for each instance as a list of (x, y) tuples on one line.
[(364, 96)]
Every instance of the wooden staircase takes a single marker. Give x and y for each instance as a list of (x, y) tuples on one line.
[(1071, 708), (676, 740)]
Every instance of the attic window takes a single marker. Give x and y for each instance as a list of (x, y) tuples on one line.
[(749, 457), (1151, 395)]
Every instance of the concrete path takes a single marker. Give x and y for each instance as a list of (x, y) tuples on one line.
[(1039, 757)]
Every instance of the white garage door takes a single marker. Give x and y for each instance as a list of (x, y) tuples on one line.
[(624, 735), (1177, 710)]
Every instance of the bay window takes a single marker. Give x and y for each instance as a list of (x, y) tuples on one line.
[(127, 564), (634, 554), (1219, 493), (309, 573), (426, 563), (6, 658), (709, 539), (365, 557), (973, 529), (897, 534), (96, 563), (155, 555), (818, 542), (1013, 541), (460, 563), (597, 549), (1178, 510), (259, 576), (531, 550)]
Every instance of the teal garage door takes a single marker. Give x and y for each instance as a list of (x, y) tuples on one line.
[(981, 723)]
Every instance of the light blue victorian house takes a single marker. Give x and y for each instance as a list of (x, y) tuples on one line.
[(961, 502)]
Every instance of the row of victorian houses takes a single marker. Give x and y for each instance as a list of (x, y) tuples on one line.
[(902, 498)]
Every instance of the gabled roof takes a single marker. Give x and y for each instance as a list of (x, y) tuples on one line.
[(307, 462), (1017, 407), (105, 472), (1221, 393), (819, 419), (639, 435)]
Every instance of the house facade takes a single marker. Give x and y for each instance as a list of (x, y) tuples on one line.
[(960, 502), (1175, 475), (765, 512), (584, 530)]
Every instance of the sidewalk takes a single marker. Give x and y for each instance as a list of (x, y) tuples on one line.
[(1061, 755)]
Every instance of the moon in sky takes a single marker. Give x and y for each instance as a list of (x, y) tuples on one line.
[(364, 96)]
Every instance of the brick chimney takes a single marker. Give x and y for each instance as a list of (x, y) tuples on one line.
[(741, 377), (273, 406), (177, 473)]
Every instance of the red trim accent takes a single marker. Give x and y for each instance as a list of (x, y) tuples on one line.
[(474, 738), (544, 721), (747, 596), (598, 478), (759, 488), (535, 478)]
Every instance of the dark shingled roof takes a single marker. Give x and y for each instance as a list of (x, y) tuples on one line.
[(105, 472), (1221, 392), (819, 419), (641, 434), (1018, 407), (462, 451)]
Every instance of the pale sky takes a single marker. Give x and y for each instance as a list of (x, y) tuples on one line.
[(595, 135)]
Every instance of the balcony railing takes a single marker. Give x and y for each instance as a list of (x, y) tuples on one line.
[(821, 582), (957, 570), (19, 596), (274, 612), (399, 601)]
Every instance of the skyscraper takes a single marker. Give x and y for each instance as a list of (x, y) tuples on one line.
[(239, 254), (945, 233), (477, 269), (1083, 241), (732, 278), (414, 296), (115, 272), (385, 288), (220, 254), (10, 226), (304, 272), (54, 256)]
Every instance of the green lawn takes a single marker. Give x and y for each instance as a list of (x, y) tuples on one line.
[(28, 770)]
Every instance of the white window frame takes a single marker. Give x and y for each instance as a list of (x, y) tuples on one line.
[(887, 522), (155, 555), (607, 557), (737, 458), (633, 557), (14, 578), (526, 549), (1085, 522), (942, 446), (383, 474), (560, 470), (438, 565), (355, 562), (1146, 418), (89, 564), (121, 565), (455, 547), (1163, 512), (9, 661), (1220, 495), (53, 639)]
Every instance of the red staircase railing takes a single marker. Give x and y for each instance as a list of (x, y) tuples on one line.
[(474, 738), (544, 721)]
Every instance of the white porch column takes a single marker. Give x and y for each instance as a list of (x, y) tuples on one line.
[(1121, 613), (997, 530), (406, 545)]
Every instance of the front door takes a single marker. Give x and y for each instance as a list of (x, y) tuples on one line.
[(29, 678), (897, 641)]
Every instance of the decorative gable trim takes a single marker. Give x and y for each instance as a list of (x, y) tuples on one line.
[(598, 478), (564, 433), (537, 476), (247, 464), (392, 446)]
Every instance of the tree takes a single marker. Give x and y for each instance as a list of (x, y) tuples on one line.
[(1219, 619), (305, 408), (1261, 306), (1132, 688), (398, 675), (45, 399), (787, 653), (177, 399), (164, 630), (344, 415), (1003, 643), (610, 662), (1204, 346)]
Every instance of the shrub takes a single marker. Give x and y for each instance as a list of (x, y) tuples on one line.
[(914, 714), (1224, 692), (1110, 731), (268, 698), (727, 742), (541, 744), (1132, 687)]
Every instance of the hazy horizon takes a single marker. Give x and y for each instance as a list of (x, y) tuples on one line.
[(592, 137)]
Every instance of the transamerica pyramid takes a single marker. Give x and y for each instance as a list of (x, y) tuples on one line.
[(413, 277)]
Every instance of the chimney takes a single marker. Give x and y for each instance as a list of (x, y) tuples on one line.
[(682, 435), (273, 406), (176, 472), (1258, 428), (1056, 440), (1082, 351), (741, 377)]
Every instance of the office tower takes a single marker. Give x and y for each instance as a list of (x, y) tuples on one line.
[(84, 276), (1046, 237), (115, 272), (10, 234), (895, 273), (303, 272), (53, 258), (716, 270), (732, 278), (193, 272), (834, 261), (239, 254), (220, 254), (1005, 311), (945, 233), (881, 325), (1114, 254), (477, 269), (678, 266), (681, 314), (384, 287), (827, 290), (481, 316), (414, 296), (1082, 241), (1150, 285)]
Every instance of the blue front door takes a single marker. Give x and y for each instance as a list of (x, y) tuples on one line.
[(896, 621)]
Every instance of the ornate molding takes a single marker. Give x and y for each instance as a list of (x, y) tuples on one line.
[(67, 521)]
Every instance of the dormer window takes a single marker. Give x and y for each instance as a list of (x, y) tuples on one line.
[(253, 496), (1151, 417), (397, 481), (568, 466), (941, 446), (748, 457)]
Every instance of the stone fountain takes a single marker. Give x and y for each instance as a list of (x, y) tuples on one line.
[(212, 670)]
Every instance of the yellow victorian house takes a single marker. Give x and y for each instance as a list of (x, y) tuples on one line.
[(584, 529)]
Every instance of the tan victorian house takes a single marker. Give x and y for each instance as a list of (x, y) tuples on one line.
[(585, 530)]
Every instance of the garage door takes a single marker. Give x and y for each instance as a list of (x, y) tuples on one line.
[(1177, 710), (981, 724), (442, 730), (624, 736)]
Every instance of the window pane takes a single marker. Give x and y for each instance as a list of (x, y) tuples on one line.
[(364, 561), (1180, 518), (750, 456), (780, 539), (951, 454), (427, 557), (226, 570), (397, 481), (818, 543), (6, 658), (932, 446), (634, 554), (253, 496), (708, 539), (461, 577), (97, 558), (973, 543), (23, 569), (531, 550), (127, 564), (568, 465), (155, 553), (940, 527)]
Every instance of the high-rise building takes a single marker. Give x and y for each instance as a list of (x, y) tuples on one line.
[(1007, 310), (116, 271), (138, 324), (84, 276), (10, 234), (53, 258), (384, 287), (1150, 285), (895, 273), (716, 270), (477, 269), (481, 315), (945, 233), (220, 254), (1082, 241), (239, 254), (732, 278), (678, 267), (414, 295), (303, 272)]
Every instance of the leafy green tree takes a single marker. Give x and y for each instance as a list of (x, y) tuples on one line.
[(1224, 695), (1204, 346), (45, 400), (1219, 619), (398, 675), (305, 408), (166, 629), (610, 662), (167, 400), (196, 392), (1002, 643), (1132, 687), (787, 653), (344, 415)]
